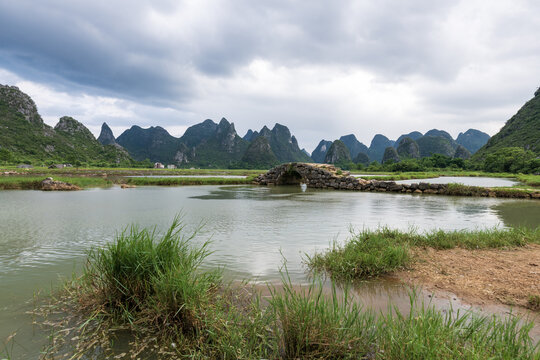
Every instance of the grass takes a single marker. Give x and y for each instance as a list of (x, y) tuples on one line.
[(29, 182), (505, 192), (14, 182), (188, 181), (528, 179), (372, 253), (151, 284), (533, 302), (72, 171), (309, 324)]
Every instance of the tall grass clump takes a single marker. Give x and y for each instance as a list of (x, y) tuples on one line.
[(310, 324), (141, 270), (366, 254), (152, 285)]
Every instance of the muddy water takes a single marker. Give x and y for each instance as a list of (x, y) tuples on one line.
[(45, 235)]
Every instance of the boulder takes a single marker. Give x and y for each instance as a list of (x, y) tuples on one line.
[(51, 185)]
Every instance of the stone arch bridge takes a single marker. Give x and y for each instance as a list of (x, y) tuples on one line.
[(325, 176)]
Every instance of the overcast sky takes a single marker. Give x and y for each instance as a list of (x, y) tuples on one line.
[(322, 68)]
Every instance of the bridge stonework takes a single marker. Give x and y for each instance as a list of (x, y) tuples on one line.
[(325, 176)]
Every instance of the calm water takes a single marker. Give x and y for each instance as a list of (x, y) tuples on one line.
[(44, 235), (465, 180)]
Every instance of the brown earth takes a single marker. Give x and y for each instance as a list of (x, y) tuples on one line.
[(507, 276)]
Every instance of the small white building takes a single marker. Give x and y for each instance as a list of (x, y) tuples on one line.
[(159, 165), (171, 166)]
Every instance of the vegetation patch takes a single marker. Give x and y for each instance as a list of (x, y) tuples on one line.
[(150, 288), (533, 302), (34, 182), (170, 181), (372, 253)]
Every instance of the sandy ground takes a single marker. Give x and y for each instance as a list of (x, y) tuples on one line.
[(479, 276)]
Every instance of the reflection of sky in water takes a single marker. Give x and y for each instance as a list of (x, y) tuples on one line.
[(251, 228), (44, 234)]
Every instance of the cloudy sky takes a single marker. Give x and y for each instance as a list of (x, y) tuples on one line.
[(323, 68)]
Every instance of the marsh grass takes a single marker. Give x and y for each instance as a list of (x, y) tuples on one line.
[(371, 253), (310, 324), (426, 333)]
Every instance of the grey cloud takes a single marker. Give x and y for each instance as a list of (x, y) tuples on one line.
[(107, 45)]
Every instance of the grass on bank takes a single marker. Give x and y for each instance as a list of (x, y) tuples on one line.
[(152, 285), (33, 182), (527, 179), (188, 181), (371, 253)]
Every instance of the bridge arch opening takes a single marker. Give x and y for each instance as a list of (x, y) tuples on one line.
[(291, 177)]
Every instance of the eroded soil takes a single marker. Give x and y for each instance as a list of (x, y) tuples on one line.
[(507, 276)]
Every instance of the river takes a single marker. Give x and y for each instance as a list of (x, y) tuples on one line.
[(45, 235)]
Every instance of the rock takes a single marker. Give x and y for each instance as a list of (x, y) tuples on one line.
[(50, 185)]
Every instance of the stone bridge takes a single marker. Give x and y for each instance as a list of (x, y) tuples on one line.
[(325, 176)]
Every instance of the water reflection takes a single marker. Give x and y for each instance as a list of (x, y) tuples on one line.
[(252, 229)]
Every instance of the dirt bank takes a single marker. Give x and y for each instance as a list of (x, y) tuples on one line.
[(507, 276)]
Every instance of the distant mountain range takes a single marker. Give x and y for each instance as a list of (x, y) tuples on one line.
[(212, 145), (24, 135), (411, 145)]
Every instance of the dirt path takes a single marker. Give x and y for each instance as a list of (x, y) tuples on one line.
[(479, 276)]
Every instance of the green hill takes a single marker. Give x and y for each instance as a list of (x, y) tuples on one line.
[(283, 144), (378, 146), (24, 137), (259, 155), (154, 143), (522, 130), (320, 151), (472, 140), (430, 145), (354, 145), (338, 153)]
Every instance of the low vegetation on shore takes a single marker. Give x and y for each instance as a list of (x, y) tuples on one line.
[(151, 286), (175, 181), (35, 182), (371, 253)]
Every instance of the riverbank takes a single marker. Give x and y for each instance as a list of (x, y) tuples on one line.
[(31, 182), (498, 266), (145, 295), (484, 276)]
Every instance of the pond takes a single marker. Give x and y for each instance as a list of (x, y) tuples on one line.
[(44, 235)]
